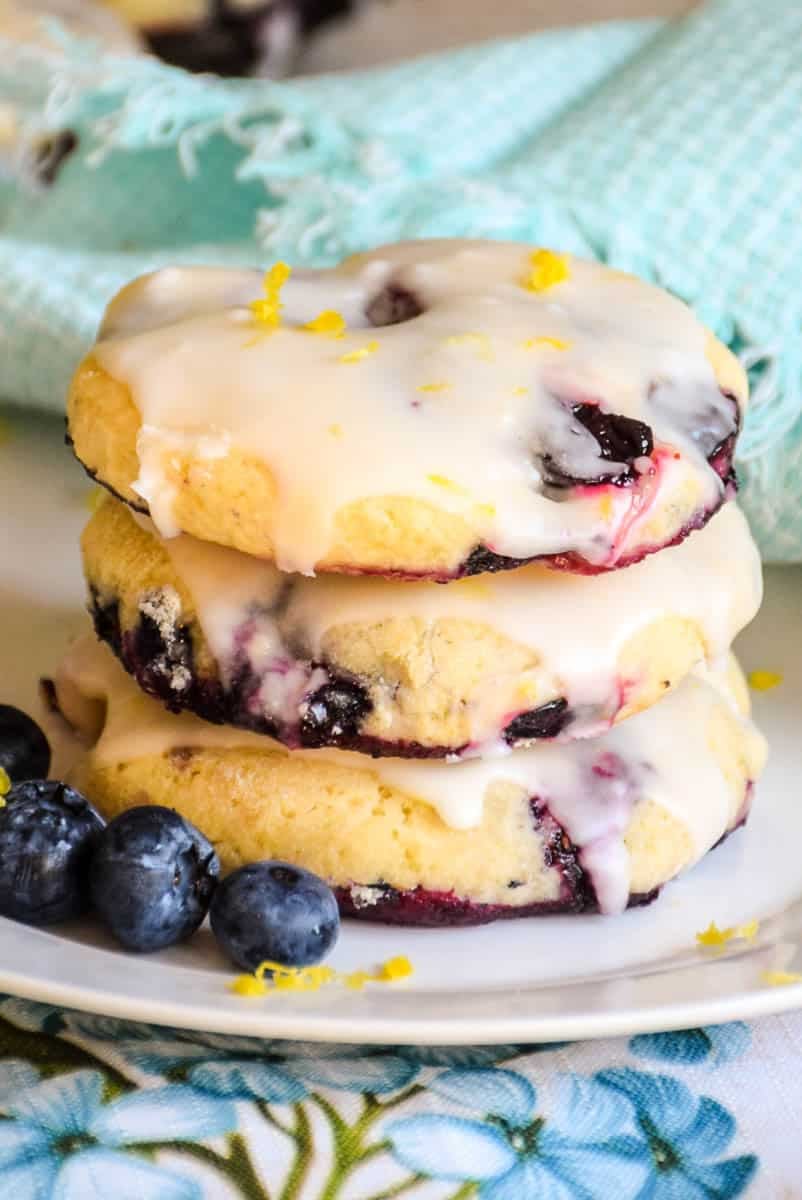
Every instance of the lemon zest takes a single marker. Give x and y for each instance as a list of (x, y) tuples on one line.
[(780, 978), (359, 354), (764, 681), (356, 980), (546, 270), (335, 430), (5, 782), (440, 386), (520, 391), (479, 341), (328, 323), (249, 985), (398, 967), (486, 510), (554, 342), (354, 356), (713, 936), (312, 979), (444, 482), (267, 310)]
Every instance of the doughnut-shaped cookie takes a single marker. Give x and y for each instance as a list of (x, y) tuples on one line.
[(584, 825), (412, 669), (434, 409)]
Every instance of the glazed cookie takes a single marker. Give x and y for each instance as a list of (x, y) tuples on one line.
[(434, 409), (411, 668), (575, 827)]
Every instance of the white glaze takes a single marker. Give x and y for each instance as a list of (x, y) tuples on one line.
[(577, 626), (663, 755), (198, 367)]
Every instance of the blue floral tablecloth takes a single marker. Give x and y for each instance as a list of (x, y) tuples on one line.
[(100, 1109)]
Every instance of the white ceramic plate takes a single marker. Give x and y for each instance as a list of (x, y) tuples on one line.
[(530, 980)]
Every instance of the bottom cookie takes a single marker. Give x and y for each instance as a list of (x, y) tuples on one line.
[(586, 826)]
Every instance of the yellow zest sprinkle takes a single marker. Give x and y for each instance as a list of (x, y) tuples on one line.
[(5, 782), (713, 936), (335, 430), (435, 387), (354, 356), (555, 343), (520, 391), (356, 980), (267, 311), (780, 978), (764, 681), (479, 341), (486, 510), (329, 323), (444, 482), (395, 968), (546, 269), (249, 985), (312, 979)]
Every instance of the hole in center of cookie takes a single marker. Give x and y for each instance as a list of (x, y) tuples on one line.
[(393, 305)]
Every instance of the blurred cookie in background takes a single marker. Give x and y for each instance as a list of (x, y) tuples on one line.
[(30, 21), (230, 37)]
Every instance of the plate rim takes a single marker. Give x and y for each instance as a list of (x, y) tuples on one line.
[(268, 1022)]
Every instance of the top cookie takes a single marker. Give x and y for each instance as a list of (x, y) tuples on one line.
[(433, 409)]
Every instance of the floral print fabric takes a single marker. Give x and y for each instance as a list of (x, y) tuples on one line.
[(93, 1108)]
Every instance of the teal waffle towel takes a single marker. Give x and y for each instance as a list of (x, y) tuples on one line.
[(670, 150)]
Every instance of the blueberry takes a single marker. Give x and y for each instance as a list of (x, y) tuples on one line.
[(48, 832), (620, 439), (547, 721), (152, 877), (274, 911), (334, 713), (24, 749)]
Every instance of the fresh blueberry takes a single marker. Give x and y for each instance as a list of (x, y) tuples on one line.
[(24, 749), (152, 877), (274, 911), (48, 832)]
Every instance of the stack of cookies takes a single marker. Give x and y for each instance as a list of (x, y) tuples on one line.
[(360, 577)]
